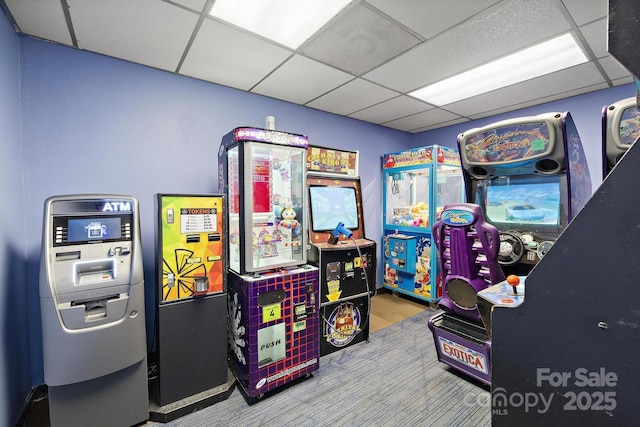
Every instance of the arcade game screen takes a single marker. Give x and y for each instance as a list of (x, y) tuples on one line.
[(331, 205), (521, 202), (629, 126)]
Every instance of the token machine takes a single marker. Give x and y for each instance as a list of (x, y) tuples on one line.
[(620, 130), (191, 305), (273, 295), (417, 184), (345, 257), (530, 177), (92, 308)]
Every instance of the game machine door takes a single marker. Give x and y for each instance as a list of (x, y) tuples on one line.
[(468, 250), (191, 306), (272, 292), (345, 257)]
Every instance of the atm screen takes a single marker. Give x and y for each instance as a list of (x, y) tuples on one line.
[(93, 228)]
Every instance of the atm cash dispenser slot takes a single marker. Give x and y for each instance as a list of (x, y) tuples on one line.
[(94, 271)]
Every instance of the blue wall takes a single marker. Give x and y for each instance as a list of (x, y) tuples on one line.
[(15, 376), (75, 122), (94, 124), (586, 111)]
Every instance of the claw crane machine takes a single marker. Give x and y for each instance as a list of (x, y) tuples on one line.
[(417, 184), (273, 295)]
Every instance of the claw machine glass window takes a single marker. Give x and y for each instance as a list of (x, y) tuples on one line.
[(264, 173), (418, 183)]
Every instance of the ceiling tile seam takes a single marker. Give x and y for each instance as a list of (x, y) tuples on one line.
[(287, 59), (387, 100), (194, 33), (380, 13), (187, 8), (591, 56), (431, 109), (67, 18), (328, 92)]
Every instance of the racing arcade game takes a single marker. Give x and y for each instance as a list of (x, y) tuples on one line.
[(92, 307), (273, 295), (191, 306), (620, 130), (529, 178), (345, 257)]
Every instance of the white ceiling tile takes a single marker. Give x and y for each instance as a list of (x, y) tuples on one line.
[(613, 68), (359, 41), (430, 17), (542, 100), (623, 81), (300, 80), (231, 57), (392, 109), (423, 119), (596, 36), (149, 32), (439, 125), (496, 32), (192, 4), (563, 81), (45, 20), (583, 11), (353, 96)]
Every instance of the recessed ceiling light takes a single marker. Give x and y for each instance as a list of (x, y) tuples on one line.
[(288, 22), (544, 58)]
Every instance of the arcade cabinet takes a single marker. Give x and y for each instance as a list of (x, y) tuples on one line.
[(468, 250), (273, 295), (530, 177), (92, 307), (416, 185), (345, 257), (620, 130), (191, 306)]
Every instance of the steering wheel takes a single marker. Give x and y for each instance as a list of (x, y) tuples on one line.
[(511, 248)]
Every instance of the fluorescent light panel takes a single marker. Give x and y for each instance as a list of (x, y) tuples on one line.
[(544, 58), (288, 22)]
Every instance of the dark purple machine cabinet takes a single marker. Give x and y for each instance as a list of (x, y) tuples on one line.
[(273, 328)]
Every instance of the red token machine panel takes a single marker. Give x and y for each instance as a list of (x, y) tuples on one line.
[(417, 183), (339, 248), (273, 293), (191, 305), (530, 177)]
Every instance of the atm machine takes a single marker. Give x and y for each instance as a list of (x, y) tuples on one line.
[(272, 291), (345, 257), (92, 309)]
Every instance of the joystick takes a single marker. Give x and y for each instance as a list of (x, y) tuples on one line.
[(514, 281)]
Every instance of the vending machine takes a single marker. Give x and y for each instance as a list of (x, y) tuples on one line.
[(191, 306), (416, 186), (92, 309), (273, 294), (345, 257)]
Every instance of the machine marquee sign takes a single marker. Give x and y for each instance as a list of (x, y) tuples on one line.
[(464, 355), (116, 207)]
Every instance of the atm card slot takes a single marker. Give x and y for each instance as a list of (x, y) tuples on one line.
[(67, 256), (94, 271), (193, 238)]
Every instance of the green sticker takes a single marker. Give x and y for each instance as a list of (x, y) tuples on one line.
[(538, 144), (299, 326)]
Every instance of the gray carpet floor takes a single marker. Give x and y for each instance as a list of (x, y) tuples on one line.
[(394, 379)]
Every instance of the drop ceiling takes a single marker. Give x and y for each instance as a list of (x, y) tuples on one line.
[(361, 64)]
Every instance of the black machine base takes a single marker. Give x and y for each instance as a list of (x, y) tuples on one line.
[(172, 411)]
